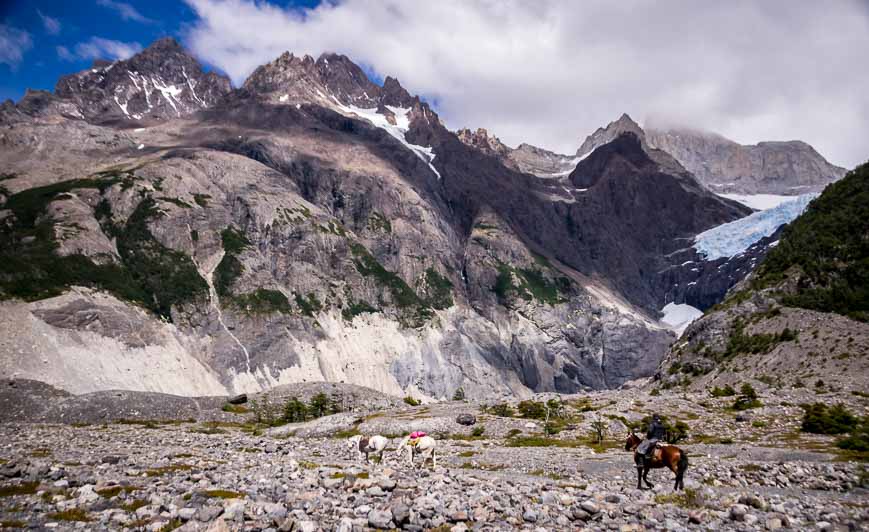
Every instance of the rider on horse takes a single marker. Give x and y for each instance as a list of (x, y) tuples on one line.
[(653, 436)]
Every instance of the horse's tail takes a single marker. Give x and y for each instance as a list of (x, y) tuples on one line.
[(682, 466)]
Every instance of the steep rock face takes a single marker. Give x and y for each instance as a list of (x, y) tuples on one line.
[(788, 168), (341, 233), (525, 158), (161, 82), (480, 139), (605, 135)]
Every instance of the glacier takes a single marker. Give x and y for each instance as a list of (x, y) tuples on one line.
[(733, 238), (679, 316)]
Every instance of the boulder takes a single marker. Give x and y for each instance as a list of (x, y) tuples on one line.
[(466, 419), (238, 399)]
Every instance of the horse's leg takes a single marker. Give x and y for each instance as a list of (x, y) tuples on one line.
[(646, 468)]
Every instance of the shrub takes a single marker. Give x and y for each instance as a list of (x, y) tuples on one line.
[(295, 410), (459, 394), (858, 440), (673, 432), (411, 401), (531, 409), (598, 428), (478, 431), (820, 419), (501, 410), (551, 428), (747, 398), (727, 391), (320, 405)]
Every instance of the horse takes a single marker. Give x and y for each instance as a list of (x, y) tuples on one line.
[(363, 446), (668, 456), (423, 445)]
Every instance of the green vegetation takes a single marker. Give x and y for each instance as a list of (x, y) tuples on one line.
[(113, 491), (222, 494), (309, 305), (741, 343), (459, 394), (500, 409), (293, 410), (25, 488), (230, 268), (727, 391), (478, 431), (747, 398), (175, 201), (826, 251), (689, 498), (411, 401), (73, 514), (355, 308), (818, 418), (403, 296), (529, 284), (379, 222), (438, 290), (30, 268), (134, 505), (673, 432), (201, 199), (235, 409), (160, 471)]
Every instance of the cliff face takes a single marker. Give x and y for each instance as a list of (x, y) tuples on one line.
[(314, 226), (786, 168)]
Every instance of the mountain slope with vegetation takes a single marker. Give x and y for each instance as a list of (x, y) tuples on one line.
[(800, 320)]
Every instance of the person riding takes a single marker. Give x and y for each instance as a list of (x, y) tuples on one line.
[(653, 436)]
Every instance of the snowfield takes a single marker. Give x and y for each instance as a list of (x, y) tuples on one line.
[(679, 316), (733, 238), (759, 202)]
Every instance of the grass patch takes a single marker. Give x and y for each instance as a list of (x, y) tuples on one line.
[(688, 499), (235, 409), (134, 505), (222, 494), (114, 491), (160, 471), (12, 523), (437, 289), (467, 454), (403, 296), (529, 284), (304, 464), (73, 514), (25, 488)]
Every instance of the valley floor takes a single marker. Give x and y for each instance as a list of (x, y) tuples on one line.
[(230, 475)]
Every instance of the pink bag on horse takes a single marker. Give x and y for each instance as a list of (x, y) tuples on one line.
[(417, 434)]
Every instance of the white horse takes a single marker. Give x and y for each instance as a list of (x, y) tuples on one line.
[(424, 446), (363, 445)]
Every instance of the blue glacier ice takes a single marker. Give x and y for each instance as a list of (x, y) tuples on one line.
[(733, 238)]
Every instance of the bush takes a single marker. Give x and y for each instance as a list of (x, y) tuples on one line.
[(531, 409), (411, 401), (478, 431), (747, 398), (295, 411), (673, 432), (551, 429), (501, 410), (820, 419), (459, 394), (727, 391), (858, 440), (598, 428)]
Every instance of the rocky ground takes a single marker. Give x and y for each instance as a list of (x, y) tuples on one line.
[(193, 474)]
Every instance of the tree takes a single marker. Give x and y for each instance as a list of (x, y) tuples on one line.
[(320, 405), (295, 410), (459, 395), (598, 428)]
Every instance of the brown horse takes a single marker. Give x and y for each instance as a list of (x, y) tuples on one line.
[(668, 456)]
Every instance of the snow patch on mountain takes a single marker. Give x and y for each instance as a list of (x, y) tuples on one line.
[(733, 238), (397, 130), (679, 316)]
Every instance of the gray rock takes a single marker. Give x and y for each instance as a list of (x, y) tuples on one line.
[(466, 419), (529, 516), (380, 518), (237, 399), (208, 513), (589, 506), (738, 512)]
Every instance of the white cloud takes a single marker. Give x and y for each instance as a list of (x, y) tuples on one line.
[(549, 73), (99, 48), (13, 44), (125, 11), (51, 24)]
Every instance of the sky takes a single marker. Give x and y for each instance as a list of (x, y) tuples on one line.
[(543, 72)]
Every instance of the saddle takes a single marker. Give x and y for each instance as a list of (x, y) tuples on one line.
[(415, 437)]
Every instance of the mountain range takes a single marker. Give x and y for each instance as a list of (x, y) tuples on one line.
[(164, 231)]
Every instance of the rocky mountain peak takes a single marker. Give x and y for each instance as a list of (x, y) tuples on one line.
[(480, 139), (604, 135), (162, 82)]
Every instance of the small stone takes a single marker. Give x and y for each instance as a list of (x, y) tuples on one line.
[(695, 518), (773, 523), (459, 515), (613, 498), (375, 491), (400, 513), (306, 526), (61, 484), (186, 514), (380, 518), (530, 516), (344, 525), (111, 459)]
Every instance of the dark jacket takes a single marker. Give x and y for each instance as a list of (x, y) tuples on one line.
[(656, 431)]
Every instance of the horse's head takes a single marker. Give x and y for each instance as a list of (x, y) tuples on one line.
[(632, 441), (353, 441)]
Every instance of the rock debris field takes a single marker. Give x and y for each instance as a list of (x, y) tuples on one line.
[(499, 474)]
